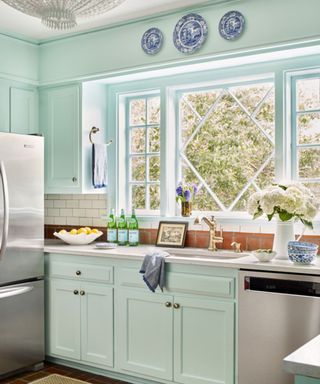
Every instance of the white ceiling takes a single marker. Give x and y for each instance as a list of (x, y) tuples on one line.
[(16, 23)]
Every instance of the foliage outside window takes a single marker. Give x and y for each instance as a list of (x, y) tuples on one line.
[(306, 131), (227, 139), (143, 128)]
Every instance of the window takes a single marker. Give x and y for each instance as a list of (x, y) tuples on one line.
[(306, 131), (226, 143), (143, 131)]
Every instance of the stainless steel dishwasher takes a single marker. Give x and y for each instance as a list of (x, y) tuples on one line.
[(278, 313)]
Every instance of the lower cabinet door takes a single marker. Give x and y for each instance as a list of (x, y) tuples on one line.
[(203, 341), (64, 319), (97, 324), (144, 333)]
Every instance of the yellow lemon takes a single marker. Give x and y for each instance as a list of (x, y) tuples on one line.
[(73, 232), (82, 230), (62, 231), (88, 229), (95, 230)]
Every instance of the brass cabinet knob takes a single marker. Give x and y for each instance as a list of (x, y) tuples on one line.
[(78, 273), (82, 293), (74, 179), (168, 304), (75, 291), (176, 306)]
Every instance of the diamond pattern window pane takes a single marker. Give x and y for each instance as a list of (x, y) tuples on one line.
[(228, 148)]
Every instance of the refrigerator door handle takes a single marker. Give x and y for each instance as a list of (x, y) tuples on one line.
[(14, 291), (5, 227)]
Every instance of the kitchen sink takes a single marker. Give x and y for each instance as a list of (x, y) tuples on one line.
[(197, 253)]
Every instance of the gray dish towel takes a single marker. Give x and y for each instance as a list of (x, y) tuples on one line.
[(153, 269), (99, 165)]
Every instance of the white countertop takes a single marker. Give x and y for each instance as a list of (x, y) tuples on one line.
[(305, 361), (246, 262)]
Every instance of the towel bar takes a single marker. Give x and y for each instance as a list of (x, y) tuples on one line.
[(93, 131)]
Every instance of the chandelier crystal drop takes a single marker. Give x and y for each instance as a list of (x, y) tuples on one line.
[(62, 14)]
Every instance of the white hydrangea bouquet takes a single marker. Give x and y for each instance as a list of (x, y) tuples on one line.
[(292, 201)]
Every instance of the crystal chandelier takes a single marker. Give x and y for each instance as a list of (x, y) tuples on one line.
[(62, 14)]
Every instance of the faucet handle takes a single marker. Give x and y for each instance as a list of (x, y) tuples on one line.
[(236, 246), (197, 220), (212, 218)]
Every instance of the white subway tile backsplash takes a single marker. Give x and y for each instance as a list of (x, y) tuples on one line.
[(73, 221), (99, 204), (85, 221), (85, 204), (91, 197), (48, 203), (72, 203), (92, 213), (78, 212), (53, 212), (66, 212), (59, 203), (98, 222), (60, 220)]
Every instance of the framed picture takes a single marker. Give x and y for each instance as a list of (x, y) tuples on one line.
[(171, 234)]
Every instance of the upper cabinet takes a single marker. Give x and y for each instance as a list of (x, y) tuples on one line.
[(18, 108), (67, 114), (60, 125)]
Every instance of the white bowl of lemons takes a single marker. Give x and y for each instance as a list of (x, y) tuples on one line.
[(81, 236)]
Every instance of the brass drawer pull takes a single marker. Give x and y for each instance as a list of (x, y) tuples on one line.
[(82, 293), (176, 306), (75, 291), (74, 179), (168, 304), (78, 273)]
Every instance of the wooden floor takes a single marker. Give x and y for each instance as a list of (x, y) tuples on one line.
[(50, 368)]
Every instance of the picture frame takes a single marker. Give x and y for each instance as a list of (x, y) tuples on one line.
[(172, 234)]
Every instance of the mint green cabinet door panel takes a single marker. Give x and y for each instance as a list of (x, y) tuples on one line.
[(60, 123), (203, 341), (23, 110), (4, 106), (97, 324), (144, 332), (64, 319)]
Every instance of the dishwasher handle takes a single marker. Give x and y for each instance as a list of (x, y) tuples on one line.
[(289, 287)]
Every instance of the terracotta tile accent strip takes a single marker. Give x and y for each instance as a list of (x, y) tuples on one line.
[(199, 239)]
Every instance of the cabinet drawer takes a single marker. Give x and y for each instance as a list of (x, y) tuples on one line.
[(184, 282), (200, 284), (92, 272)]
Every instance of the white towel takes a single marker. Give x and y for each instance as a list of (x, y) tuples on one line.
[(99, 165)]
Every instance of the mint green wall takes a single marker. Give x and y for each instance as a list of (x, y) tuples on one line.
[(269, 22), (19, 60)]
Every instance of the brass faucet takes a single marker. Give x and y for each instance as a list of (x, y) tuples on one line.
[(212, 224)]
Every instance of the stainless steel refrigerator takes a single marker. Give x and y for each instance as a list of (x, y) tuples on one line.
[(21, 253)]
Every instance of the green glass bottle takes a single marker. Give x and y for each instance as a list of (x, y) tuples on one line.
[(111, 228), (133, 229), (122, 229)]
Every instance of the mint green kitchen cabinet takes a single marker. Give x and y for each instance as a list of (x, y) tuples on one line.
[(81, 321), (185, 334), (67, 114), (18, 108), (60, 125), (80, 311), (145, 333), (23, 110), (203, 341)]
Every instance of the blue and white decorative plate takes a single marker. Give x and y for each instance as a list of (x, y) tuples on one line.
[(231, 25), (190, 33), (151, 41)]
